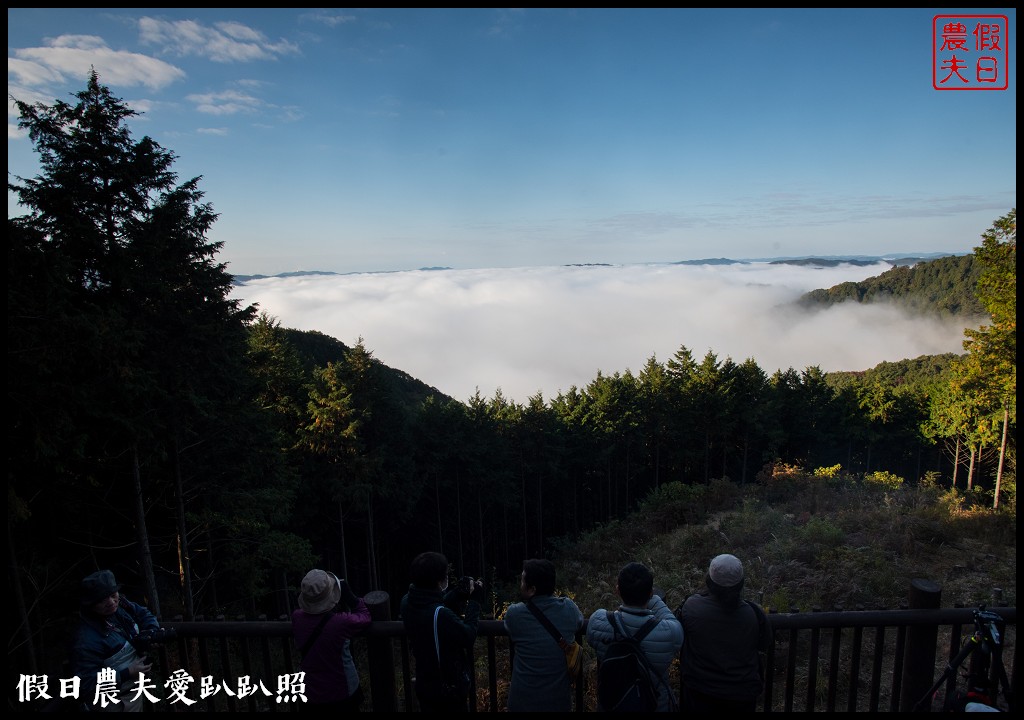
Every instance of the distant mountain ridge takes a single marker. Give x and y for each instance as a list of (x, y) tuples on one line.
[(894, 259), (242, 279)]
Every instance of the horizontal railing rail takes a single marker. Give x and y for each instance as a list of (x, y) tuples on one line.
[(848, 660)]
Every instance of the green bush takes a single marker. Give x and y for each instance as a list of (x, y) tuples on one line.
[(820, 532), (883, 479)]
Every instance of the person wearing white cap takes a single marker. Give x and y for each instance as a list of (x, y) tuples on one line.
[(329, 616), (725, 636)]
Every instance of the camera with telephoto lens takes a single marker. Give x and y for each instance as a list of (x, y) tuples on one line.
[(148, 638)]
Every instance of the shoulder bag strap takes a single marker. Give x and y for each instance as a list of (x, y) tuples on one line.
[(316, 633), (759, 613), (617, 628), (620, 629), (562, 642), (437, 643), (646, 628)]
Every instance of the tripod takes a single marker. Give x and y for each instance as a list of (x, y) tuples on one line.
[(985, 648)]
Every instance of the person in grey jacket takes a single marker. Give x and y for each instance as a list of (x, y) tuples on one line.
[(540, 679), (635, 587)]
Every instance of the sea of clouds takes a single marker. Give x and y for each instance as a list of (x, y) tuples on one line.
[(546, 329)]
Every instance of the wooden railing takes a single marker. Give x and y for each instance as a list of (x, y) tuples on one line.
[(848, 660)]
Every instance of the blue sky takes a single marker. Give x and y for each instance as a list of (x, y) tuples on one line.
[(394, 139)]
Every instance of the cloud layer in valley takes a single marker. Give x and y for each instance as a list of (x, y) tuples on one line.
[(547, 329)]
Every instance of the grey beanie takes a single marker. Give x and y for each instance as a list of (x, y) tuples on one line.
[(726, 571)]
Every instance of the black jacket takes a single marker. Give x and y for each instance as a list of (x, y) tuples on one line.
[(456, 632)]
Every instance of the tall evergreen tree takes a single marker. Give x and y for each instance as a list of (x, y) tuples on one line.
[(124, 327)]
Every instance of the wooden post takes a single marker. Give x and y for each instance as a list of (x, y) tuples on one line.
[(919, 658), (380, 653)]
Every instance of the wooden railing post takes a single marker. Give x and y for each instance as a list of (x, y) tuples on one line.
[(380, 653), (919, 660)]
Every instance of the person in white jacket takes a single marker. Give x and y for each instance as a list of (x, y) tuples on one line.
[(635, 588)]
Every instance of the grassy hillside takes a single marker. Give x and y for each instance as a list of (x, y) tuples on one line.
[(808, 540)]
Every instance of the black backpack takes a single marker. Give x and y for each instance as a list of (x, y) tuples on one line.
[(625, 678)]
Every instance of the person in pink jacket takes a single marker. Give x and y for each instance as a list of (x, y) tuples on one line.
[(329, 616)]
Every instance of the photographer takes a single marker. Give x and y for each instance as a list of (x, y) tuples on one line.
[(110, 627), (441, 624), (329, 616)]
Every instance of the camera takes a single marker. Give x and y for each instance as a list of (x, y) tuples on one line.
[(147, 638), (989, 624)]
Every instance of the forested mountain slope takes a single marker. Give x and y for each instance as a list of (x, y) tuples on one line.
[(944, 286), (316, 349)]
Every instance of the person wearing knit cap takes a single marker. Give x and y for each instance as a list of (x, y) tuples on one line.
[(328, 617), (109, 623), (725, 635)]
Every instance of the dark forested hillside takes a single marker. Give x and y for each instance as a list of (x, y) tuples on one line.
[(316, 349), (918, 374), (944, 287)]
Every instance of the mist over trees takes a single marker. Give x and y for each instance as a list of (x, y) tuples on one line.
[(210, 457)]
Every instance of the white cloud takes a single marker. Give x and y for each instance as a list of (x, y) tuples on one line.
[(225, 42), (228, 102), (72, 57), (328, 19), (546, 329)]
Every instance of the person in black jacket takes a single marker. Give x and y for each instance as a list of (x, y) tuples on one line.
[(725, 639), (441, 624)]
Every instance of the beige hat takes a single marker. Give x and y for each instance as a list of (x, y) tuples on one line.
[(320, 591), (726, 571)]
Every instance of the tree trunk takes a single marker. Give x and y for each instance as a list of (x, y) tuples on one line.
[(214, 601), (970, 471), (525, 511), (540, 514), (437, 504), (1002, 456), (608, 512), (184, 556), (341, 534), (956, 461), (746, 452), (707, 456), (458, 520), (481, 554), (142, 537), (19, 600), (371, 542), (627, 476)]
